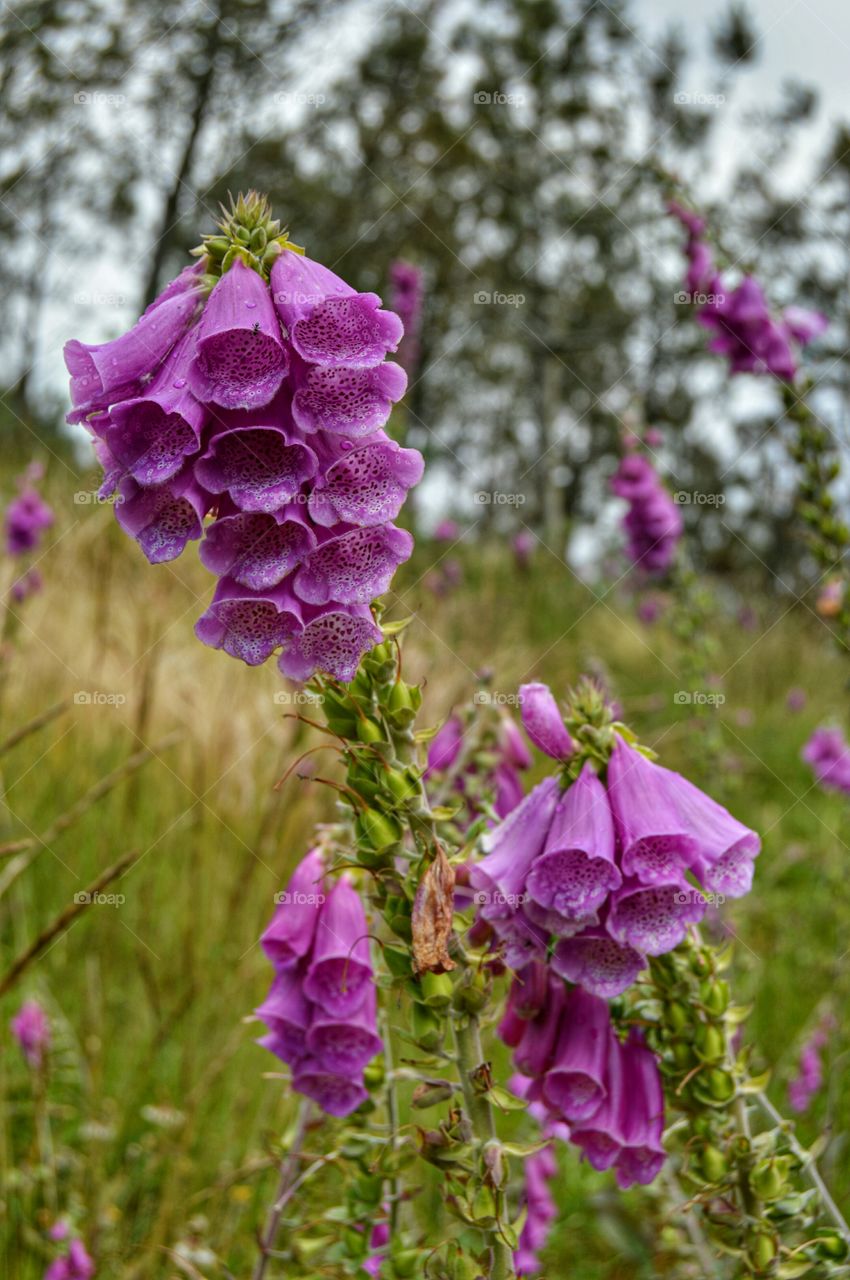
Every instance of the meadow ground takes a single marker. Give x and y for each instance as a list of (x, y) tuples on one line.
[(161, 1119)]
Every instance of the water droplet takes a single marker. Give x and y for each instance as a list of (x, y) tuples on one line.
[(347, 444), (179, 383), (250, 305)]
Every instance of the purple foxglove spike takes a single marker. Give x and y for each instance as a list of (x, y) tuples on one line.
[(541, 1211), (345, 1045), (366, 485), (75, 1265), (153, 435), (597, 962), (261, 467), (642, 1123), (446, 746), (829, 756), (700, 267), (246, 625), (98, 373), (601, 1137), (692, 222), (287, 1014), (635, 478), (336, 1095), (349, 402), (535, 1053), (543, 722), (521, 940), (27, 517), (657, 845), (241, 360), (552, 921), (654, 918), (340, 971), (162, 519), (511, 1029), (289, 937), (355, 567), (328, 322), (31, 1028), (804, 325), (576, 871), (255, 549), (333, 640), (575, 1085), (511, 849)]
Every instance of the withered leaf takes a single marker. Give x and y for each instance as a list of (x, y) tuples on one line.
[(433, 908)]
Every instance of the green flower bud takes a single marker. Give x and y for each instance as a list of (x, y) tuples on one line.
[(377, 830), (217, 246), (762, 1251), (831, 1246), (710, 1043), (431, 1092), (721, 1086), (769, 1178), (400, 785), (428, 1029), (713, 1164), (714, 994), (368, 731), (405, 1262), (436, 990), (258, 240), (676, 1015), (373, 1074)]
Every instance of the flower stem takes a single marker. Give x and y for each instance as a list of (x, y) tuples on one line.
[(288, 1170)]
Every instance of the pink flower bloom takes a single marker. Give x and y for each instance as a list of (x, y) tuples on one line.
[(31, 1028)]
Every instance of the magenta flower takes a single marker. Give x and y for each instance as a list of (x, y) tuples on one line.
[(103, 375), (287, 1013), (653, 522), (332, 641), (445, 747), (31, 1028), (347, 402), (574, 1086), (328, 322), (345, 1045), (406, 293), (367, 485), (535, 1054), (598, 962), (151, 436), (340, 970), (27, 517), (256, 549), (29, 584), (541, 1210), (642, 1115), (249, 626), (164, 518), (808, 1081), (380, 1236), (240, 361), (576, 870), (75, 1265), (338, 1095), (601, 1136), (543, 722), (653, 919), (447, 531), (512, 848), (262, 468), (353, 567), (522, 545), (289, 937), (829, 755)]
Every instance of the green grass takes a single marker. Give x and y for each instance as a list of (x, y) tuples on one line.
[(161, 1119)]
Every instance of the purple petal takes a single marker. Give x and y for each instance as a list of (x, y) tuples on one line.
[(246, 625), (255, 549), (367, 485), (575, 1084), (241, 360), (355, 567), (654, 919), (597, 962), (333, 640), (261, 467), (543, 722), (351, 402), (340, 971), (162, 519), (289, 937), (576, 870)]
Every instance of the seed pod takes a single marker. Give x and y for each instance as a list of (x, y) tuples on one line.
[(436, 990), (713, 1164)]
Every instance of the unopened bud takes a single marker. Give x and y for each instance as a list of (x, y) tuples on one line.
[(437, 989), (431, 1092)]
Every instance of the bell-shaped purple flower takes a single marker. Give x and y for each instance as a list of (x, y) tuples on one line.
[(575, 1085), (340, 971), (512, 848), (829, 756), (445, 747), (287, 1013), (541, 1210), (75, 1265), (261, 467), (31, 1028), (104, 374), (406, 295), (347, 402), (151, 436), (241, 360), (576, 871), (289, 937), (654, 918), (247, 625), (804, 325), (355, 567), (366, 485), (601, 1136), (328, 322), (598, 962), (656, 844), (344, 1045), (163, 519), (332, 640), (536, 1051), (543, 722), (337, 1095), (256, 549), (642, 1116)]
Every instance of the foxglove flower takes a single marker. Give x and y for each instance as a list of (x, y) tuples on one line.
[(74, 1265), (543, 722), (406, 293), (597, 962), (541, 1210), (829, 755), (653, 523), (288, 1014), (340, 970), (576, 870), (522, 545), (512, 848), (574, 1086), (338, 1095), (346, 1045), (289, 937), (27, 517), (254, 390), (31, 1028), (808, 1080), (642, 1115)]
